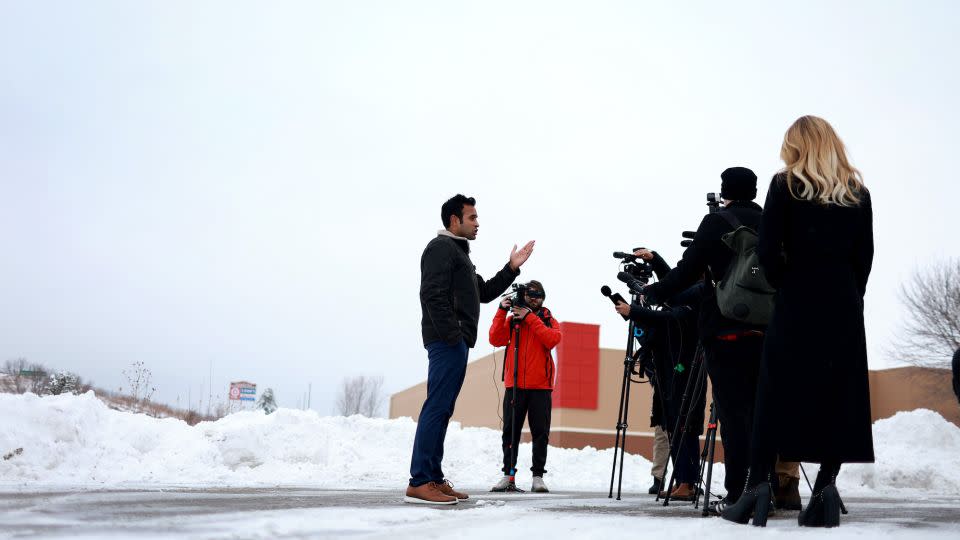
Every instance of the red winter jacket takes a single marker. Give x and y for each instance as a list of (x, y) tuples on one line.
[(536, 370)]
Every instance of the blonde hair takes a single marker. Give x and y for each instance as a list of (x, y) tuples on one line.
[(816, 164)]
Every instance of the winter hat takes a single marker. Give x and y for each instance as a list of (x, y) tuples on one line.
[(738, 184)]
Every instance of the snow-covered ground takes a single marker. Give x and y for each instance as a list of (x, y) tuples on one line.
[(78, 441), (88, 471)]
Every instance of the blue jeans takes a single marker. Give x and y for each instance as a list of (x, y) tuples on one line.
[(448, 367)]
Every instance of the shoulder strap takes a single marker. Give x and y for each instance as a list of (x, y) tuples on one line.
[(730, 218)]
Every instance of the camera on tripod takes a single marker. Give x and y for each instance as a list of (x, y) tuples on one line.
[(519, 293), (638, 268), (713, 202)]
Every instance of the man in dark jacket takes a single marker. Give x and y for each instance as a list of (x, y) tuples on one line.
[(450, 296), (732, 349), (531, 398)]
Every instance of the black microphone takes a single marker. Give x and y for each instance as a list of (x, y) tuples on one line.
[(629, 257), (688, 234), (615, 297), (635, 284)]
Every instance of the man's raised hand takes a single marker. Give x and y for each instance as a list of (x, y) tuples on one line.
[(518, 257)]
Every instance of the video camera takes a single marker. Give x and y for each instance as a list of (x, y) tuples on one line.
[(519, 292), (640, 269), (713, 202)]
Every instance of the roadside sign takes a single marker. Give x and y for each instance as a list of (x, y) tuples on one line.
[(243, 391)]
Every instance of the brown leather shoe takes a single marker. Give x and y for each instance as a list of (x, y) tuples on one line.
[(683, 492), (446, 487), (428, 493)]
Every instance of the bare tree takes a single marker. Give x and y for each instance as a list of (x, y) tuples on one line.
[(16, 382), (931, 300), (360, 395), (138, 383), (22, 377)]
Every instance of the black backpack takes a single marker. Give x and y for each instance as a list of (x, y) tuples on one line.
[(743, 294)]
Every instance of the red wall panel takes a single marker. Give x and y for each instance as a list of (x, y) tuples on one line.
[(578, 366)]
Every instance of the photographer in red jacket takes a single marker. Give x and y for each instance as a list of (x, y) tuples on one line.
[(539, 333)]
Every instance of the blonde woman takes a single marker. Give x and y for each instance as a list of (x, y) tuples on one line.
[(813, 399)]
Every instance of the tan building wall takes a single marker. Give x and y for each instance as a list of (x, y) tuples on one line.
[(480, 402)]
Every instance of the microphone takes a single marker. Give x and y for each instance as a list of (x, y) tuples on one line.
[(688, 234), (615, 297), (629, 257), (636, 286)]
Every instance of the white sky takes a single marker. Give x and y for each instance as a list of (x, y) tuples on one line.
[(251, 184)]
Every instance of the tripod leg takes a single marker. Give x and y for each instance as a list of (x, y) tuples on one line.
[(694, 379), (711, 442), (623, 446), (620, 422)]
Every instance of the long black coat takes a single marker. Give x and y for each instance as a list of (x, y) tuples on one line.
[(813, 379)]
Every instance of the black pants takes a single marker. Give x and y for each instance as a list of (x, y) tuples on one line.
[(734, 367), (687, 461), (536, 406)]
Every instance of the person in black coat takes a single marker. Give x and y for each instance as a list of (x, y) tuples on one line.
[(816, 247), (956, 374), (673, 345), (450, 295), (732, 349)]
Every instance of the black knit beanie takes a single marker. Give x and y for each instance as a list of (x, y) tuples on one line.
[(738, 184)]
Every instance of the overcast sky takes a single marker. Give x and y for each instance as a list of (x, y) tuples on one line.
[(250, 185)]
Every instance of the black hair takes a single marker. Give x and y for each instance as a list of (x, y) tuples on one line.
[(536, 285), (454, 207)]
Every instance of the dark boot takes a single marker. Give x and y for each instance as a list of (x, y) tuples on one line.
[(831, 506), (787, 493), (754, 501), (812, 515), (655, 488)]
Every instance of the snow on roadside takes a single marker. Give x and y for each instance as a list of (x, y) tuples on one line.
[(78, 441)]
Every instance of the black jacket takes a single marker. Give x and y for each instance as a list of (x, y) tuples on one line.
[(451, 290), (708, 252), (673, 342), (956, 374)]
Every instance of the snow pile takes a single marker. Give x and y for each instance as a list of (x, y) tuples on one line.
[(916, 450), (77, 440)]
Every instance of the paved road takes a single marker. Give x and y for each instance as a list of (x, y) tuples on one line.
[(199, 513)]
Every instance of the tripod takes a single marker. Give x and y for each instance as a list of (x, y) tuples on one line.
[(514, 443), (696, 382), (635, 336), (706, 459)]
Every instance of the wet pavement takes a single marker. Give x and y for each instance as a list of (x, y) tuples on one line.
[(209, 513)]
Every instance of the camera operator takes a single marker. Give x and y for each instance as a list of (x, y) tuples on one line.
[(732, 349), (673, 343), (539, 334)]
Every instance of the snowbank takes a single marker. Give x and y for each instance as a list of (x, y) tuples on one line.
[(78, 441)]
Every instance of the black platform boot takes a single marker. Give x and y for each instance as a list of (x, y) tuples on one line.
[(823, 510), (831, 506), (754, 501)]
